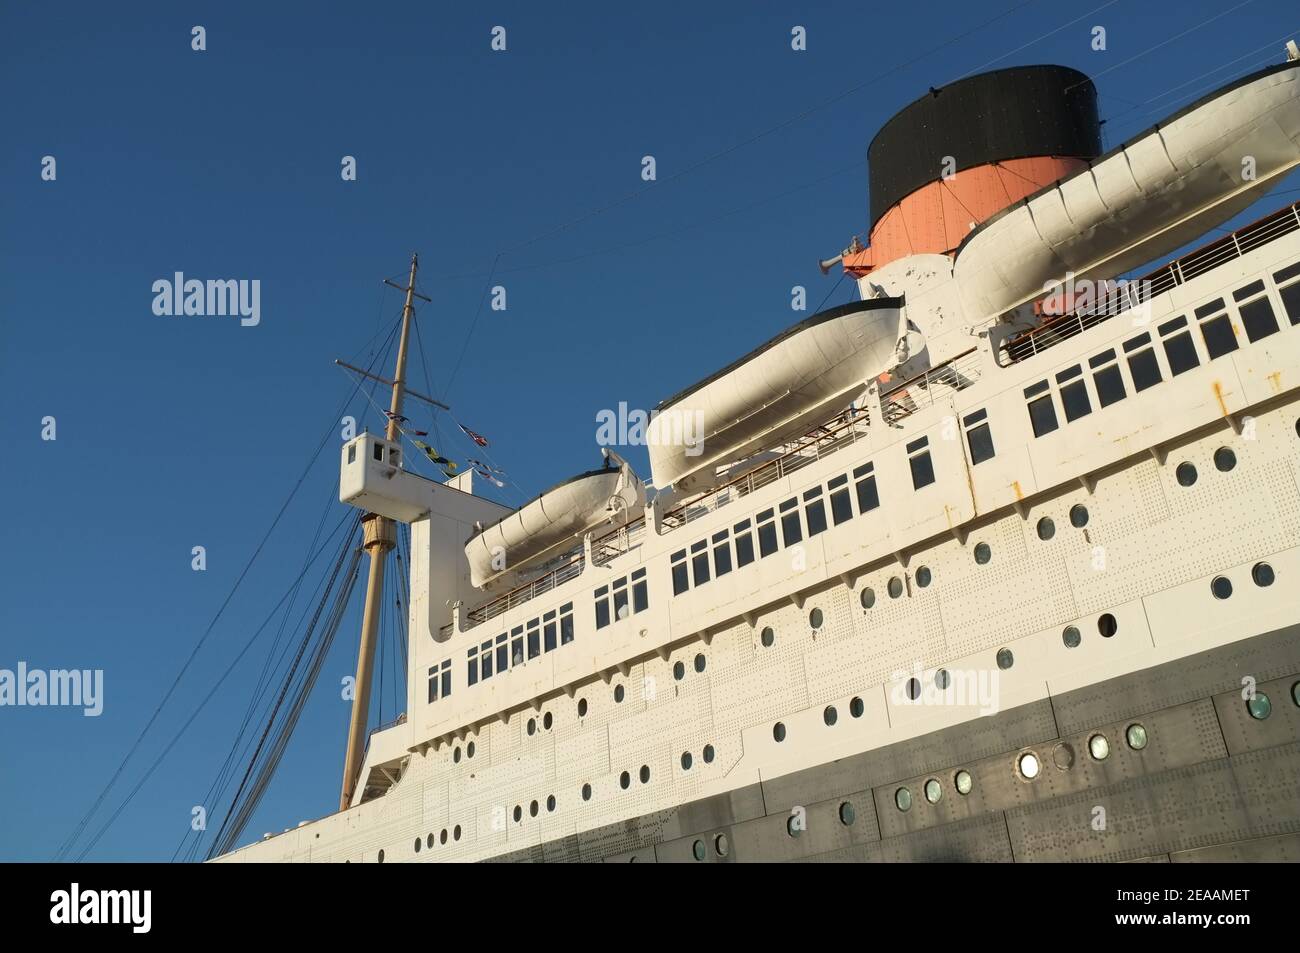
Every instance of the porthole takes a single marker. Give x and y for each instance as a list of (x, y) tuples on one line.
[(793, 825), (856, 707), (1224, 459), (830, 716), (1071, 637), (1221, 586), (618, 694), (550, 803), (686, 761), (418, 844), (532, 809), (847, 814), (942, 679), (867, 597), (428, 842), (1078, 516), (778, 732), (1136, 736), (442, 838), (895, 587), (547, 720), (1063, 756), (903, 799), (1260, 706), (768, 637), (1295, 694), (720, 845), (645, 774), (1186, 473), (1046, 528), (815, 619), (698, 851), (586, 792), (708, 754), (1099, 747), (532, 726), (1107, 625), (963, 782), (625, 780), (582, 707), (700, 662), (923, 576), (1006, 659), (455, 832), (469, 750), (519, 813), (983, 553), (913, 689), (679, 671), (381, 856), (1262, 574), (455, 755), (933, 791), (1028, 765)]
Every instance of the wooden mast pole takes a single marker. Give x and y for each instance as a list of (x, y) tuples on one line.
[(380, 537)]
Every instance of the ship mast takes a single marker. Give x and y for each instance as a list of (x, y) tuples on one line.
[(380, 537)]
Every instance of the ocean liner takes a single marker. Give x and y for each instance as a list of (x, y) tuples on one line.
[(997, 563)]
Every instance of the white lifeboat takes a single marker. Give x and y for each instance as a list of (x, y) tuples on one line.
[(555, 520), (777, 391)]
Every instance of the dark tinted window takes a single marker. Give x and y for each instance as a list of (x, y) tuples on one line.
[(1216, 328), (681, 581), (1291, 293), (566, 623), (791, 530), (1142, 363), (1179, 349), (1042, 415), (1110, 385), (699, 564), (815, 511), (1258, 319), (841, 505), (978, 436), (922, 470), (864, 482), (602, 611), (640, 594), (744, 544), (721, 554), (766, 533)]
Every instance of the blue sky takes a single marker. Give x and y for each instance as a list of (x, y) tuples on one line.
[(174, 432)]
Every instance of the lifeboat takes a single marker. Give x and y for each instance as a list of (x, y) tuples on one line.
[(776, 392), (1140, 201), (554, 521)]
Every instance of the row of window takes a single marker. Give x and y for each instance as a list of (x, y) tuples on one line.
[(612, 601), (524, 642)]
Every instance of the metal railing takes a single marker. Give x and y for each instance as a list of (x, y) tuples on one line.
[(517, 597), (906, 398)]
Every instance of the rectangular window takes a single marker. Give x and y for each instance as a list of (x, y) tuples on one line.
[(1042, 412), (620, 598), (602, 607), (699, 563), (864, 482), (1288, 286), (1216, 328), (548, 631), (1106, 377), (1256, 311), (640, 594), (1074, 394), (744, 543), (433, 684), (841, 504), (446, 678), (681, 582), (918, 458), (1179, 349), (766, 533), (1142, 363), (471, 671), (352, 453), (791, 530), (721, 554), (517, 645), (534, 638), (503, 654), (978, 437), (566, 623), (378, 451), (814, 509), (485, 659)]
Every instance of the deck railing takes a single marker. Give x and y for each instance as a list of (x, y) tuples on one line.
[(916, 393)]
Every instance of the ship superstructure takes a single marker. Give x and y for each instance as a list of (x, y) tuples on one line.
[(931, 575)]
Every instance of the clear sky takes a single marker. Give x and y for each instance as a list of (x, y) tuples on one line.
[(176, 432)]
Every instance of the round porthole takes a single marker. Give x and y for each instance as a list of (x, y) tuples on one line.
[(1295, 694), (847, 814), (519, 813), (830, 716), (686, 761), (429, 842), (983, 553), (768, 637), (469, 750), (963, 782), (625, 780), (455, 754), (1071, 637), (1224, 459), (455, 832), (1136, 736), (1107, 625), (547, 720), (1099, 747), (442, 838), (1262, 574), (933, 791), (618, 694), (586, 792), (856, 707), (1186, 473), (550, 803), (720, 845), (815, 618), (942, 679), (913, 689), (418, 844), (1028, 765), (582, 708), (1078, 516), (1259, 707), (679, 671), (532, 809), (532, 726), (381, 856), (700, 662), (645, 774), (708, 754), (698, 851), (778, 732), (1063, 756), (1006, 659), (868, 598), (1221, 586), (903, 799), (1046, 528), (895, 587), (923, 576)]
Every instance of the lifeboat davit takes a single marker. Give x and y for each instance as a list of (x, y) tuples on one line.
[(776, 392), (546, 526)]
